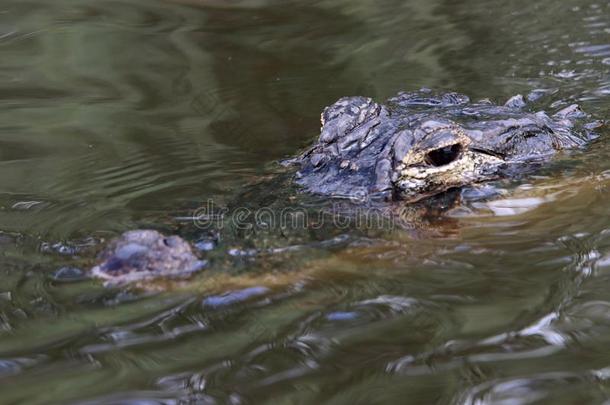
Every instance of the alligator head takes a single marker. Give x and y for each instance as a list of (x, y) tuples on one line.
[(418, 144)]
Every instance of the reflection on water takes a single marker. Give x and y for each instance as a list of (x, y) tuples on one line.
[(130, 113)]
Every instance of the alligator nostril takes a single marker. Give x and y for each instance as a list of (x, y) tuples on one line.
[(170, 242), (443, 156)]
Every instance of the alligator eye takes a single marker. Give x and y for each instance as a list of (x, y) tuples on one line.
[(443, 156)]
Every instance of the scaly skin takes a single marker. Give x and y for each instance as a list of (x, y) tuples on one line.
[(143, 255), (421, 144)]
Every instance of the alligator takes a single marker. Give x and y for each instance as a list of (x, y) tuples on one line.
[(411, 148)]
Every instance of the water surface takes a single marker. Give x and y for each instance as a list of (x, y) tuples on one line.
[(125, 114)]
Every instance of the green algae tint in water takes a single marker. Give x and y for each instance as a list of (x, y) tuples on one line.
[(119, 115)]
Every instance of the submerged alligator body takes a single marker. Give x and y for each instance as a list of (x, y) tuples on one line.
[(414, 146)]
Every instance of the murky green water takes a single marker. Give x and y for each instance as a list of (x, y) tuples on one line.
[(118, 115)]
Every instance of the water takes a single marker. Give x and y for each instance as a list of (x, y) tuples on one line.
[(125, 114)]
